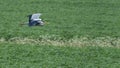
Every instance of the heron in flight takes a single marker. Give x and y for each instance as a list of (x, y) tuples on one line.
[(34, 20)]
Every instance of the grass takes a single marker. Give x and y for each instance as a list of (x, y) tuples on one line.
[(83, 41), (65, 18), (42, 56), (91, 24)]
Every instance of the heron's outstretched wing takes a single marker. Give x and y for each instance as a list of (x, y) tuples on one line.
[(35, 16)]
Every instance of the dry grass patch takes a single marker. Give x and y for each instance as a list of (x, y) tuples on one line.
[(83, 41)]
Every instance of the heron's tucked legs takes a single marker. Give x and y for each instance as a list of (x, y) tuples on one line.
[(36, 23)]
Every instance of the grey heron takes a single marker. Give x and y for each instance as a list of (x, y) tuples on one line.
[(34, 20)]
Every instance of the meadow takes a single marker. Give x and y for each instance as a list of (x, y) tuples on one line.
[(82, 27), (49, 56), (63, 18)]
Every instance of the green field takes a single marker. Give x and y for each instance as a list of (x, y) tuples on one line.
[(73, 28), (93, 18), (44, 56)]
